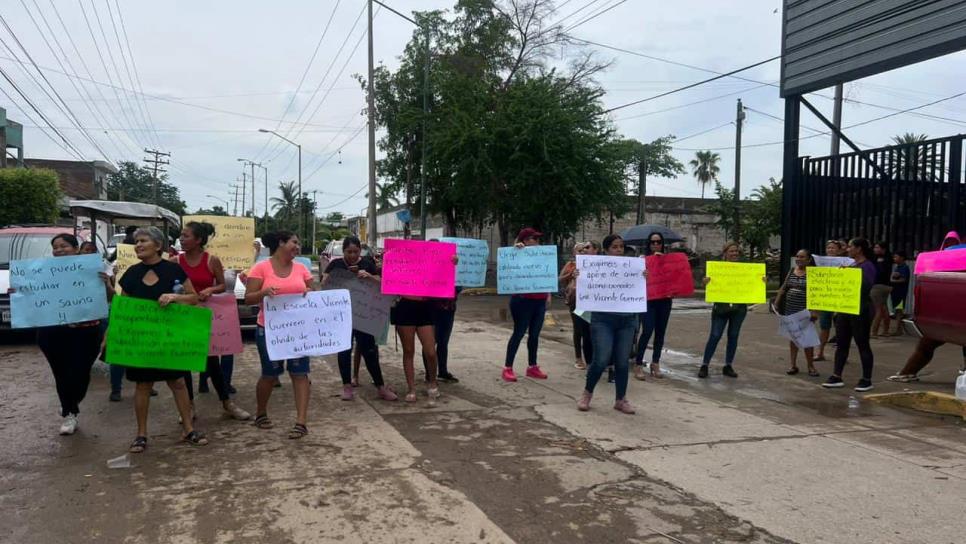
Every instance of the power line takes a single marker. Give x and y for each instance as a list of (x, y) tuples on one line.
[(696, 134), (854, 125), (594, 16), (95, 112), (305, 73), (120, 48), (100, 56), (87, 70), (59, 101), (692, 85), (689, 104), (27, 115)]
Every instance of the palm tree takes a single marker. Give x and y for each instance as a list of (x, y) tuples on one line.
[(704, 167), (912, 160), (385, 197), (286, 206)]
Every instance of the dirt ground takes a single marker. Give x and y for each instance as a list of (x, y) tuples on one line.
[(764, 458)]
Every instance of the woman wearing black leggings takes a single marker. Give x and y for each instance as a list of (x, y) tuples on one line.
[(528, 311), (857, 327), (71, 349)]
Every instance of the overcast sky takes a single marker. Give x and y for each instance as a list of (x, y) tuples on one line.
[(217, 71)]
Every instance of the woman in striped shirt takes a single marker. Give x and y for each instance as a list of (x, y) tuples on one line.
[(792, 294)]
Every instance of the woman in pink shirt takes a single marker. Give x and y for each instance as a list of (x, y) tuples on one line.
[(279, 275)]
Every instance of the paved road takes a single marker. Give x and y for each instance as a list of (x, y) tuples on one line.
[(765, 458)]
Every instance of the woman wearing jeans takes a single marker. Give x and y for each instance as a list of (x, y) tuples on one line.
[(725, 315), (279, 275), (858, 327), (528, 311), (654, 320), (612, 334)]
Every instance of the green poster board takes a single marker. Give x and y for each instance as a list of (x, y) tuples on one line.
[(143, 334)]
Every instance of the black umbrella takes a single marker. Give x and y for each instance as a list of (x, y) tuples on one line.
[(638, 234)]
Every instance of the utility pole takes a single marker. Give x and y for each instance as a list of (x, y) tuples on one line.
[(315, 220), (266, 197), (235, 187), (837, 121), (157, 162), (244, 185), (641, 188), (739, 119), (423, 214), (371, 112), (253, 188)]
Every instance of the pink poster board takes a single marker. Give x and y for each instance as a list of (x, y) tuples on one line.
[(419, 269), (225, 327), (951, 260), (669, 276)]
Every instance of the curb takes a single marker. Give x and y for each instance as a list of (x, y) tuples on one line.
[(923, 401)]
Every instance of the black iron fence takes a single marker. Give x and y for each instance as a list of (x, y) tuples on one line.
[(909, 195)]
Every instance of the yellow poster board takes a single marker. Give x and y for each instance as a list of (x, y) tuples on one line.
[(833, 289), (126, 258), (232, 241), (735, 283)]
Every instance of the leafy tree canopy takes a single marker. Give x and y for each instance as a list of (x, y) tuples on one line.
[(28, 195), (135, 183)]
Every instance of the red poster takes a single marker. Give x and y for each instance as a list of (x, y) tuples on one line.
[(669, 276)]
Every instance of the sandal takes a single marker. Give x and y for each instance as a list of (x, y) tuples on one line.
[(195, 438), (792, 371), (262, 422), (819, 358), (656, 371), (139, 445), (639, 372), (813, 373), (580, 365), (410, 397), (298, 431)]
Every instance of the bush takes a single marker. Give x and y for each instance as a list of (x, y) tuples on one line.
[(28, 195)]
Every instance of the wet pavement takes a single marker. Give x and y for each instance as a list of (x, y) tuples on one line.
[(764, 458)]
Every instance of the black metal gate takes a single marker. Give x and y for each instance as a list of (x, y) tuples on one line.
[(908, 195)]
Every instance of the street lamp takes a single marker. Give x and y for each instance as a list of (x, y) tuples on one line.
[(299, 146), (220, 200)]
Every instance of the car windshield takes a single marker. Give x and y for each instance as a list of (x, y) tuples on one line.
[(14, 247), (116, 239)]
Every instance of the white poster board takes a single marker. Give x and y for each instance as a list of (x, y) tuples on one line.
[(319, 323), (611, 284), (799, 328)]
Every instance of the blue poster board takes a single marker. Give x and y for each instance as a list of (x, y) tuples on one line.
[(473, 256), (526, 270), (57, 291)]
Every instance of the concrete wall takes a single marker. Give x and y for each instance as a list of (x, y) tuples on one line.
[(78, 180)]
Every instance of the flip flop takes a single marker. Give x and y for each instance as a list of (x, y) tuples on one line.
[(792, 371)]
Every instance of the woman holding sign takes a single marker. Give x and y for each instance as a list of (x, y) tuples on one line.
[(279, 275), (858, 327), (71, 349), (208, 278), (157, 279), (654, 320), (364, 269), (583, 350), (791, 295), (613, 333), (725, 315), (528, 311)]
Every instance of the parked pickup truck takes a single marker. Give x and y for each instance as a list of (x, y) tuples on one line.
[(940, 306)]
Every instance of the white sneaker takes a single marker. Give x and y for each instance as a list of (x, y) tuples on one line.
[(69, 425), (235, 412)]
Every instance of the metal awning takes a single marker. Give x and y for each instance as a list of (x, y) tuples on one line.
[(121, 213)]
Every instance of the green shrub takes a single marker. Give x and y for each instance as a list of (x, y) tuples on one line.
[(28, 195)]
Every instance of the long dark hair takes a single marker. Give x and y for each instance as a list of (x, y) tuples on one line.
[(865, 247), (647, 246), (811, 258), (274, 239), (608, 240), (69, 238), (202, 231)]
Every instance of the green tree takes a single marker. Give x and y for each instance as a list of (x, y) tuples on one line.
[(285, 206), (762, 216), (28, 195), (724, 209), (654, 159), (214, 210), (509, 139), (135, 183), (913, 161), (704, 168), (385, 196)]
